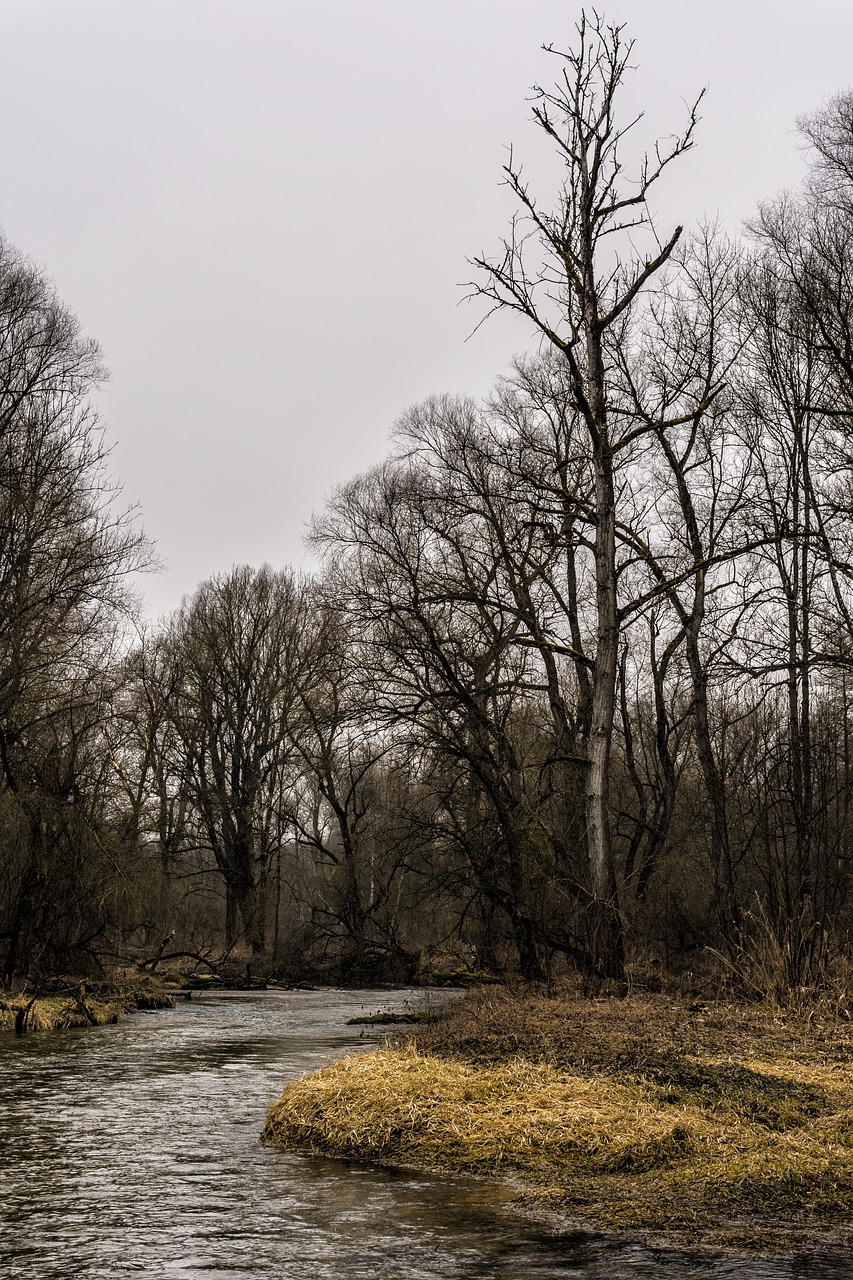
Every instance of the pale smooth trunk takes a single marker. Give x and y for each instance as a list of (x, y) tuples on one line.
[(607, 941)]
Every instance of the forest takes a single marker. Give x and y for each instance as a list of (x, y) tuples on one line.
[(568, 690)]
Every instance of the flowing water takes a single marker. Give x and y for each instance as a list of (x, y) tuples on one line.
[(131, 1151)]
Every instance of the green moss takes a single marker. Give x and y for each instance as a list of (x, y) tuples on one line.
[(389, 1019)]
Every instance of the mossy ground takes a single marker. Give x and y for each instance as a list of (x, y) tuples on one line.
[(60, 1012), (723, 1124)]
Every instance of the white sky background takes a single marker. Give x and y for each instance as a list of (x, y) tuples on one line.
[(262, 209)]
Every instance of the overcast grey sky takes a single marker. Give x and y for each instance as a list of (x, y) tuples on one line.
[(262, 209)]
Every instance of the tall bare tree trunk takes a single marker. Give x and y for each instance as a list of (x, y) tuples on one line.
[(607, 950), (721, 862), (575, 300)]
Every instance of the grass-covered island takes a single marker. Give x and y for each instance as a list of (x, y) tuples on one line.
[(714, 1123)]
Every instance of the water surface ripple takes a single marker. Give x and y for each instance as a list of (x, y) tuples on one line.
[(131, 1151)]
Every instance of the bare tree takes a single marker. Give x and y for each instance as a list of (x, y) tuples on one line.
[(579, 294), (810, 236), (338, 811), (439, 646), (67, 556), (516, 472), (239, 665)]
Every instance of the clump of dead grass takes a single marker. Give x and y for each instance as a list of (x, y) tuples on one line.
[(721, 1123), (518, 1116), (60, 1012)]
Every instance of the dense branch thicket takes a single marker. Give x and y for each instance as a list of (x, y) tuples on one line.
[(66, 554), (570, 691)]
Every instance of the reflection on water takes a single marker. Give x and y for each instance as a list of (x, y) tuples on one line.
[(132, 1151)]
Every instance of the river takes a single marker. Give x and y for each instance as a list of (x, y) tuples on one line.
[(131, 1151)]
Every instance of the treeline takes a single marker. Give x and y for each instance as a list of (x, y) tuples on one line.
[(570, 691)]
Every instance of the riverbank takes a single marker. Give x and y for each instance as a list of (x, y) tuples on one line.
[(23, 1013), (717, 1124)]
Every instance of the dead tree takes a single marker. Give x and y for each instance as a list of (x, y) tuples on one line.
[(561, 270)]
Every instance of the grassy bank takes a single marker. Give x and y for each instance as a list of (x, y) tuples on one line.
[(25, 1013), (722, 1124)]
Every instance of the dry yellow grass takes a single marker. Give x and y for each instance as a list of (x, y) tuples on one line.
[(58, 1013), (726, 1124), (520, 1116)]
